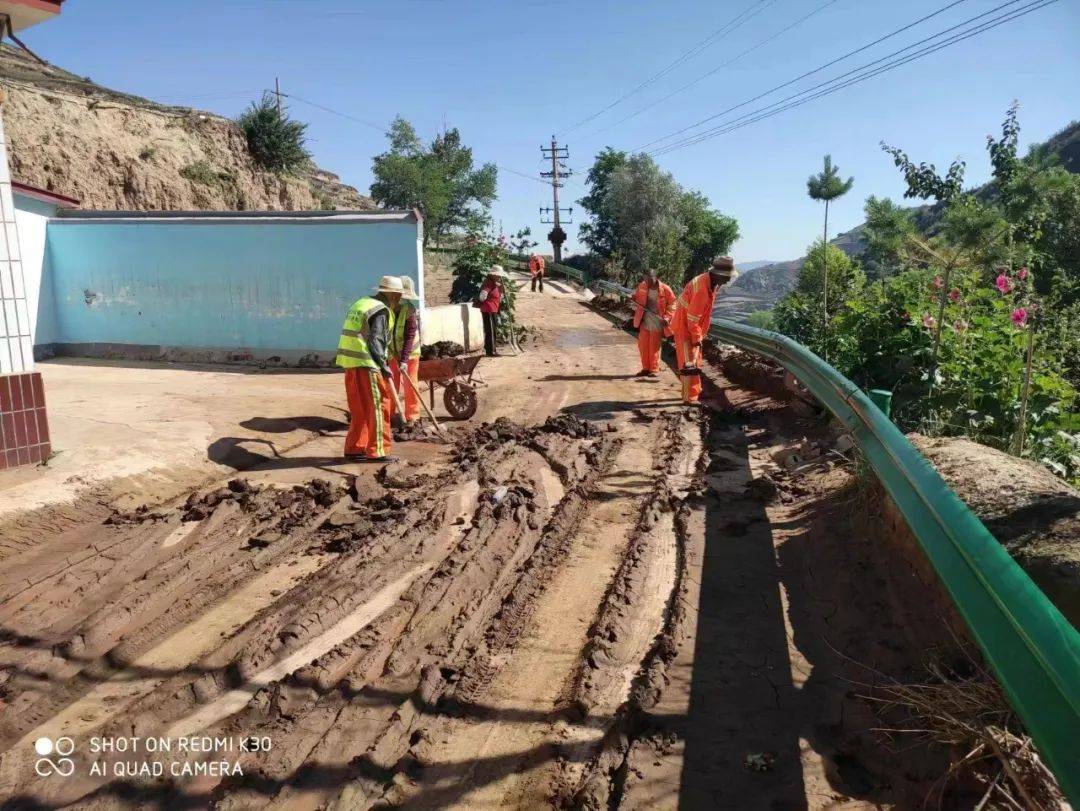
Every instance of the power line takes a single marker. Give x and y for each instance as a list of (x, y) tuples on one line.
[(742, 17), (384, 131), (818, 69), (867, 71), (718, 68), (332, 111), (863, 73)]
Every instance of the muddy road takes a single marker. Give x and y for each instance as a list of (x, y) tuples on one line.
[(595, 598)]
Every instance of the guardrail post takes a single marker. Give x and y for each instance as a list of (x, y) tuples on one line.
[(882, 398)]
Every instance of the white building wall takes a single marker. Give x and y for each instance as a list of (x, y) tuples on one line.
[(32, 218), (16, 345)]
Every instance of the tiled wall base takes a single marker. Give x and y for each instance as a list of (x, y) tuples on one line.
[(24, 428)]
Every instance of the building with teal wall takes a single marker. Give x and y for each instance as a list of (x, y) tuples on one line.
[(265, 287)]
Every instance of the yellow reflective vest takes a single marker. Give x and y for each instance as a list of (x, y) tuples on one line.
[(397, 339), (353, 349)]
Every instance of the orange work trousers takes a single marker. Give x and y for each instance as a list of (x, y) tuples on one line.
[(409, 400), (368, 393), (648, 343), (686, 354)]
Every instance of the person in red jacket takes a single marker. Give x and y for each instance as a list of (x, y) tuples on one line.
[(654, 308), (536, 271), (490, 298), (693, 314)]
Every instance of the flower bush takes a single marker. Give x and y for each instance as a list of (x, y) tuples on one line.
[(883, 336)]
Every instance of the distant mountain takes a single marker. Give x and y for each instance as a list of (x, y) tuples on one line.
[(743, 267), (761, 285)]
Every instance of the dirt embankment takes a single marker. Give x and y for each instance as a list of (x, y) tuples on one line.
[(115, 151), (1033, 513)]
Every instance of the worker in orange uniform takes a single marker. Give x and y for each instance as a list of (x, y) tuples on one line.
[(693, 314), (654, 307), (363, 352), (405, 348), (536, 271)]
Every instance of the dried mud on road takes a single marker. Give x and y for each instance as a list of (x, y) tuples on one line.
[(616, 606)]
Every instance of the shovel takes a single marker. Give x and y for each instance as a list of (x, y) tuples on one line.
[(398, 418), (424, 405)]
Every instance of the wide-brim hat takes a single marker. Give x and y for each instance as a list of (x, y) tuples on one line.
[(723, 263), (390, 284), (497, 270), (407, 289)]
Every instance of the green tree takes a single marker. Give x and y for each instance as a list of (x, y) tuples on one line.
[(599, 232), (886, 233), (799, 314), (708, 233), (827, 186), (923, 179), (522, 241), (439, 179), (640, 217), (643, 203), (276, 142)]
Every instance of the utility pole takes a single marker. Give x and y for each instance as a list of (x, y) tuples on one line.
[(556, 154), (277, 92)]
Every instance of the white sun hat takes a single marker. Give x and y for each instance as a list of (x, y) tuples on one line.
[(390, 284), (407, 289), (497, 270)]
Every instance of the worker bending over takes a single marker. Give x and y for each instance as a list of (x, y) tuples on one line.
[(536, 271), (405, 348), (654, 308), (363, 353), (693, 314)]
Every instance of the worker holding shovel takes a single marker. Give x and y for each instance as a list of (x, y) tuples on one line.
[(654, 307), (405, 348), (363, 352), (693, 314)]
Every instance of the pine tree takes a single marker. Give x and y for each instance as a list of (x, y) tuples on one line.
[(827, 186)]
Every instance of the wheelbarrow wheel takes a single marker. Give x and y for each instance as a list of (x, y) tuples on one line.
[(460, 400)]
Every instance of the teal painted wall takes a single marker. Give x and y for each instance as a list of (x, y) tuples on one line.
[(268, 285)]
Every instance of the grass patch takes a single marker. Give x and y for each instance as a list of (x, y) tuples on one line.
[(203, 173)]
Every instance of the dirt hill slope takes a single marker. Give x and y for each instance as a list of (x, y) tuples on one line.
[(116, 151)]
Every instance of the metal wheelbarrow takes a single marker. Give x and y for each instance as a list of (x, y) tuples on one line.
[(455, 377)]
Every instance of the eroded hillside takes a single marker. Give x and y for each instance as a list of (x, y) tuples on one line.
[(116, 151)]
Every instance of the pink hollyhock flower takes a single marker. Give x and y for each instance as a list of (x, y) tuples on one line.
[(1003, 283), (939, 282), (928, 321), (960, 325), (954, 295), (1020, 316), (1023, 274)]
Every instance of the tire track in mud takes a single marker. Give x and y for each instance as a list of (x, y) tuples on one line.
[(466, 533)]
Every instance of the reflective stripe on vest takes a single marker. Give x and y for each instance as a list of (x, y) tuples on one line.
[(397, 340), (353, 349)]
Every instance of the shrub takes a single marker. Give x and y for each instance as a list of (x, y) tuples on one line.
[(471, 267), (202, 172), (147, 152), (762, 319), (883, 337), (276, 142)]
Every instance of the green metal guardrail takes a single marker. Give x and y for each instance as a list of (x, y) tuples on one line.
[(568, 272), (1032, 648)]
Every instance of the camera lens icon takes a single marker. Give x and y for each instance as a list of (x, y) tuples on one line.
[(61, 765)]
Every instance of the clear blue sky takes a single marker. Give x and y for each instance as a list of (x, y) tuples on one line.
[(509, 73)]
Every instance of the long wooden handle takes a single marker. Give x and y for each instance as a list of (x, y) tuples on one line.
[(397, 398), (416, 391)]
